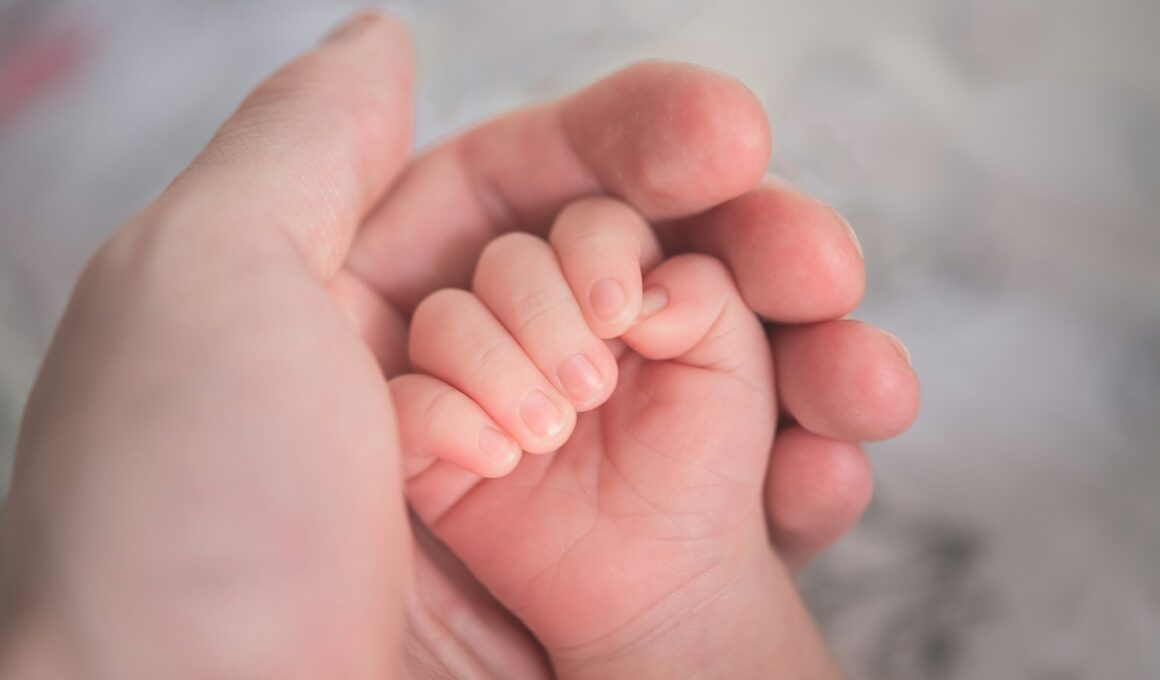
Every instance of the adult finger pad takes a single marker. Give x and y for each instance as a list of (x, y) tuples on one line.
[(816, 490), (845, 379), (684, 138), (793, 256)]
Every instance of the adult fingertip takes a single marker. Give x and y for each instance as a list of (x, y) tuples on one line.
[(816, 483), (723, 122), (792, 255), (360, 23), (831, 268), (817, 490), (845, 379), (896, 395), (698, 137), (890, 387), (725, 117)]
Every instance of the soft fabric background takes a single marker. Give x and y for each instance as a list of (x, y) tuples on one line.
[(1000, 160)]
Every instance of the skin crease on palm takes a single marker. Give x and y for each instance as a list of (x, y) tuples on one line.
[(207, 480)]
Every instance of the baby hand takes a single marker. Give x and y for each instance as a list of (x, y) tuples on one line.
[(644, 505)]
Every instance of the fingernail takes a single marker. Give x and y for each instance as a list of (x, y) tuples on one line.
[(351, 26), (497, 446), (785, 185), (607, 298), (541, 416), (654, 300), (853, 235), (898, 345), (580, 378)]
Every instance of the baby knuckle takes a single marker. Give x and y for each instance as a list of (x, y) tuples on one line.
[(493, 361), (537, 306), (436, 307), (501, 248)]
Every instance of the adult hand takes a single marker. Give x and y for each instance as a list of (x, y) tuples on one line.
[(688, 148), (210, 442), (207, 482)]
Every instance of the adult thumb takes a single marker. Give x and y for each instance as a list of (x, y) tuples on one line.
[(311, 150)]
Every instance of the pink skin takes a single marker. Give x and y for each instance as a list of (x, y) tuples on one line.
[(196, 410), (650, 514)]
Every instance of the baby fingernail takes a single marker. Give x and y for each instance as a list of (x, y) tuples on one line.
[(654, 300), (540, 415), (497, 446), (607, 298), (580, 378)]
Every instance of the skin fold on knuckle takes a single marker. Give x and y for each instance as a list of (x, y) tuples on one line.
[(427, 323)]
